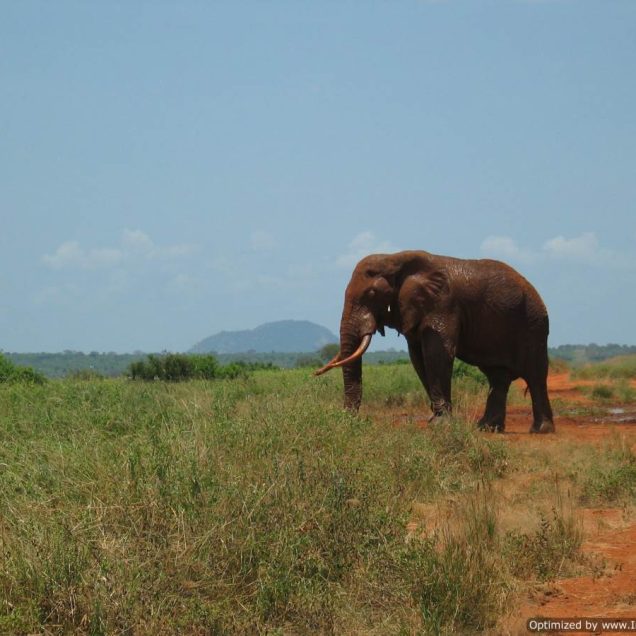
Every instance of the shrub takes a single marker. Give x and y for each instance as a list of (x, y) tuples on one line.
[(602, 392), (558, 365), (464, 370), (9, 372), (233, 371), (308, 361), (328, 351), (177, 367)]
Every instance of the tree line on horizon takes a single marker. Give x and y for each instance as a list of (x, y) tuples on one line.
[(110, 364)]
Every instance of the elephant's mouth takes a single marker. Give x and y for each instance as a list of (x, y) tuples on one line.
[(388, 318), (338, 362)]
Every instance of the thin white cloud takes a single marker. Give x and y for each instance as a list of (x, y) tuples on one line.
[(133, 244), (137, 241), (183, 284), (504, 247), (56, 294), (261, 241), (584, 247), (362, 245), (265, 280), (71, 254), (579, 249)]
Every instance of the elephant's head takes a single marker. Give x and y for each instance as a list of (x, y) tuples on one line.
[(385, 290)]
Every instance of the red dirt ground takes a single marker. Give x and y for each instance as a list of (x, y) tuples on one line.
[(609, 535)]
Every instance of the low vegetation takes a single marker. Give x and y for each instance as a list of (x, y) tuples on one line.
[(611, 477), (178, 367), (621, 368), (578, 355), (10, 372), (256, 505), (558, 365), (58, 365)]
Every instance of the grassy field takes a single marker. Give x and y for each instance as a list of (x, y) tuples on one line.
[(258, 506), (621, 367)]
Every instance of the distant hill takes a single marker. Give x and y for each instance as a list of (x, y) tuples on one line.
[(282, 336)]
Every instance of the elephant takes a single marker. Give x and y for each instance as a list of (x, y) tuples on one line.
[(481, 311)]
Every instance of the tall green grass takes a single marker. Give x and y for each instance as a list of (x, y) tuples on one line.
[(610, 476), (247, 506), (622, 367)]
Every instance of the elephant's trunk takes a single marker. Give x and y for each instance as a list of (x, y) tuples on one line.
[(356, 330), (352, 379), (357, 327), (350, 359)]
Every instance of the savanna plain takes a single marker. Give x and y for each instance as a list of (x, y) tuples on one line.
[(257, 505)]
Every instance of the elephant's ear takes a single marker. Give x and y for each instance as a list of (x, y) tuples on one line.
[(420, 293), (434, 283)]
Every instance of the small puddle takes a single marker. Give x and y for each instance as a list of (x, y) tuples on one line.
[(619, 415)]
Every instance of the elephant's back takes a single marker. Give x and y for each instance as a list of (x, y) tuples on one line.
[(496, 289)]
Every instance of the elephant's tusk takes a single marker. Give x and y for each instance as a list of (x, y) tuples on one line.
[(364, 345), (335, 358), (329, 365)]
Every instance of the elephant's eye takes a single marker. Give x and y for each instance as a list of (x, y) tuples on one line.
[(371, 273)]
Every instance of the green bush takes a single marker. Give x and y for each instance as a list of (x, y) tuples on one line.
[(328, 351), (602, 392), (464, 370), (9, 372), (558, 365), (313, 360), (177, 367)]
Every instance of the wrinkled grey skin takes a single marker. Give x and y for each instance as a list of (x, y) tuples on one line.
[(480, 311)]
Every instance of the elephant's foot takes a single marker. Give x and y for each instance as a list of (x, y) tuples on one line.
[(438, 417), (544, 426), (492, 424), (441, 409)]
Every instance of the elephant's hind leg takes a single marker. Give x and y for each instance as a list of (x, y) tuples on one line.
[(494, 418), (537, 379), (543, 421)]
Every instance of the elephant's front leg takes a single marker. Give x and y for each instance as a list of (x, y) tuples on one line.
[(415, 353), (437, 356)]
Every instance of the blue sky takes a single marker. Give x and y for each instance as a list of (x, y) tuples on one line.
[(169, 170)]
